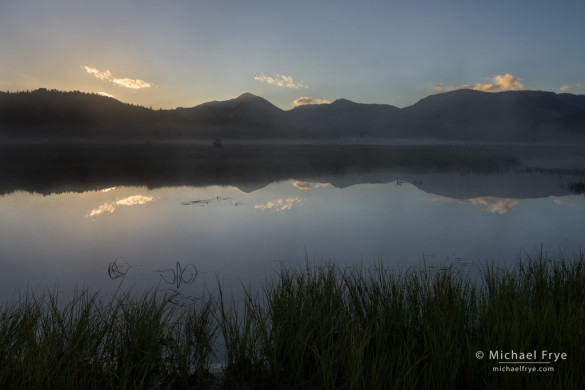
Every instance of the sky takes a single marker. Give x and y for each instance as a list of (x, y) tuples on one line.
[(181, 53)]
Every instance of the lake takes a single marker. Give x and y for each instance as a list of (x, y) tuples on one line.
[(94, 216)]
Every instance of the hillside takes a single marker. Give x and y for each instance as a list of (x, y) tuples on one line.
[(462, 115)]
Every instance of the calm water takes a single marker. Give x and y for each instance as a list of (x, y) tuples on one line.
[(242, 235)]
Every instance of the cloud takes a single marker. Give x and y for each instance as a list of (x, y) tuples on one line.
[(564, 88), (280, 204), (303, 100), (124, 82), (106, 94), (580, 86), (130, 83), (100, 75), (280, 80), (309, 100), (497, 83), (129, 201)]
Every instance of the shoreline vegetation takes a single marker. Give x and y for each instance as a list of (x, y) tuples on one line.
[(312, 327)]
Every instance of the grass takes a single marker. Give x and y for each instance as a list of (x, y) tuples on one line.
[(312, 327)]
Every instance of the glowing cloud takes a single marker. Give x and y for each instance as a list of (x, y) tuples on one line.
[(303, 185), (106, 94), (124, 82), (279, 80), (564, 88), (130, 83), (100, 75), (497, 83), (280, 204), (309, 100), (580, 86), (111, 206)]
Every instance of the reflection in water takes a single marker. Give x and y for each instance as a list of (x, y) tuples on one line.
[(129, 201), (280, 204), (494, 205), (564, 201), (180, 275), (118, 268), (303, 185)]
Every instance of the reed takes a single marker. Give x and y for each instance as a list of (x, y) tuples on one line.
[(310, 327)]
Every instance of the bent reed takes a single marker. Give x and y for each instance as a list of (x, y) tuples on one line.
[(312, 327)]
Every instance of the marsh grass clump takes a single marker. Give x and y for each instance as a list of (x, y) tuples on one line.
[(326, 327), (310, 327), (127, 342)]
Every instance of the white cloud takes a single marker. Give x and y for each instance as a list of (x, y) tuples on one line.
[(106, 94), (280, 80), (131, 83), (303, 100), (497, 83), (112, 206), (124, 82), (100, 75), (309, 100)]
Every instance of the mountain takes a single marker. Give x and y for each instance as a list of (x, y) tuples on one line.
[(504, 116), (343, 118), (52, 113), (461, 115)]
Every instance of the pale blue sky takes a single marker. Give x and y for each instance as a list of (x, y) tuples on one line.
[(183, 53)]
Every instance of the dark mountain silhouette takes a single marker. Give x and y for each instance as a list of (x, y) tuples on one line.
[(343, 118), (462, 115), (504, 116)]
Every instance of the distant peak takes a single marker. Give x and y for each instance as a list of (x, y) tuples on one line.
[(247, 95), (342, 101)]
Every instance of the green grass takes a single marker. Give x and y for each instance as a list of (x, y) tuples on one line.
[(312, 327)]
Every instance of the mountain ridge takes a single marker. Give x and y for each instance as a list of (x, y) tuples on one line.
[(461, 115)]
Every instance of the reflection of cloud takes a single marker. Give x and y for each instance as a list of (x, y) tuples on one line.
[(561, 201), (303, 185), (495, 205), (498, 83), (280, 204), (309, 100), (125, 82), (129, 201), (280, 80)]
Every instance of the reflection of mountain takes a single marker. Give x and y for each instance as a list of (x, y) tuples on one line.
[(513, 116), (459, 172)]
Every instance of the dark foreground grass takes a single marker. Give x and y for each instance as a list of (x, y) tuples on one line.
[(314, 328)]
